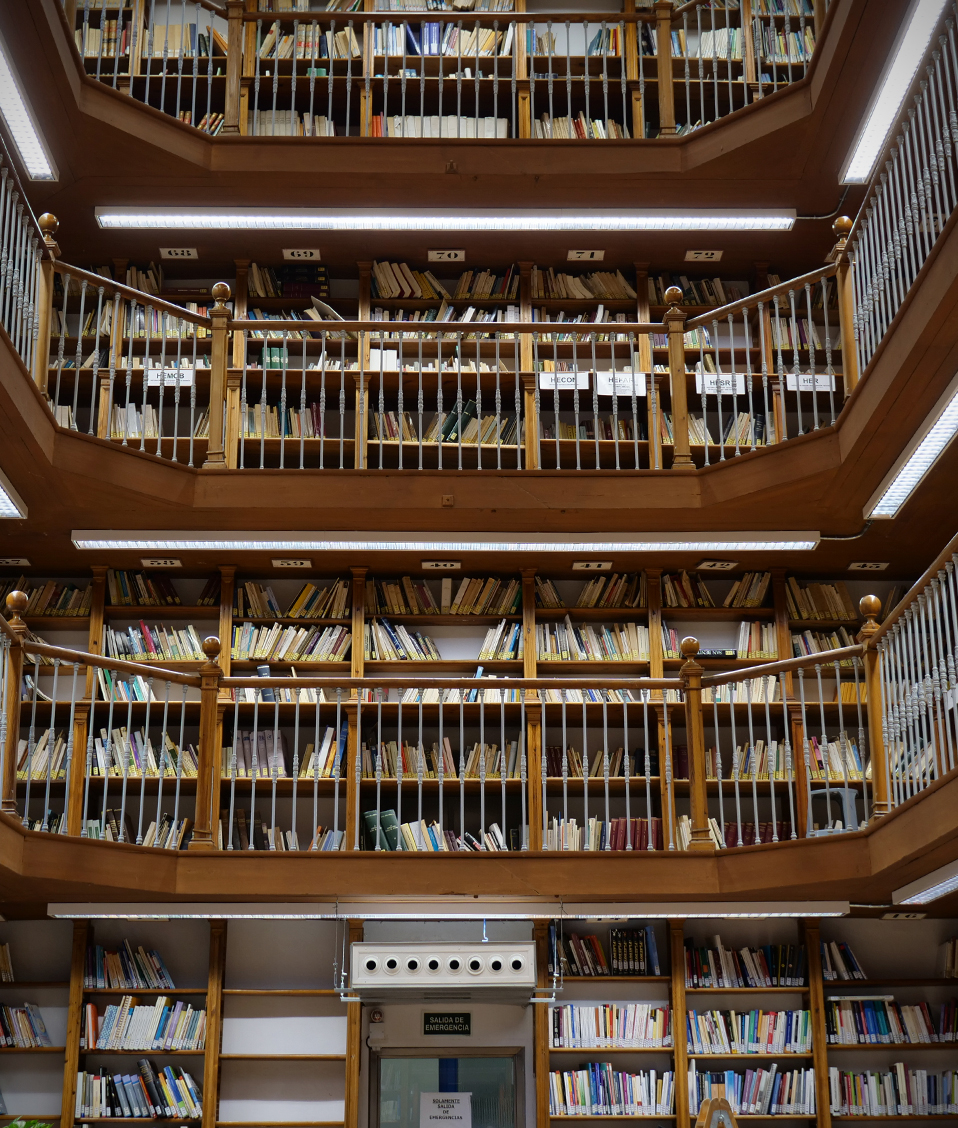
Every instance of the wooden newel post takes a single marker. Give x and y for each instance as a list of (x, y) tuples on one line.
[(41, 361), (219, 359), (209, 758), (663, 56), (675, 324), (16, 604), (234, 65), (846, 302), (870, 607), (691, 675)]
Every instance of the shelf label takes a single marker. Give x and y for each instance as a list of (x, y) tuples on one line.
[(160, 562), (585, 256), (703, 256), (620, 383), (169, 377), (446, 256), (551, 381), (820, 382), (725, 383), (301, 254), (179, 253)]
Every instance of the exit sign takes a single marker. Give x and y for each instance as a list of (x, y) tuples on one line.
[(447, 1022)]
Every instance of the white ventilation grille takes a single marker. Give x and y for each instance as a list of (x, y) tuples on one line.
[(419, 967)]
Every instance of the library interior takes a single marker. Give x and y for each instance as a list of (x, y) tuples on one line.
[(274, 852)]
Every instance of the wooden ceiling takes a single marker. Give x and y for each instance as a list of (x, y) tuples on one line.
[(786, 151)]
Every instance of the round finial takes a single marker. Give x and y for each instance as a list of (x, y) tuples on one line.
[(211, 647), (842, 226), (221, 292), (870, 607), (673, 295), (48, 225), (17, 603), (689, 647)]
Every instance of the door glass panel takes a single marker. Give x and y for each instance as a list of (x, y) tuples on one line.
[(490, 1081)]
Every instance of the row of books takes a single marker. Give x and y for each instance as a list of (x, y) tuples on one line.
[(491, 430), (719, 43), (23, 1027), (814, 642), (152, 1093), (818, 600), (119, 752), (615, 590), (753, 690), (166, 1025), (775, 45), (738, 833), (840, 962), (610, 1025), (609, 428), (773, 965), (132, 589), (566, 642), (695, 291), (125, 968), (291, 644), (6, 964), (51, 597), (571, 766), (596, 834), (385, 832), (210, 123), (386, 642), (749, 1032), (756, 1092), (168, 40), (603, 284), (798, 333), (265, 756), (145, 644), (115, 825), (895, 1092), (432, 38), (258, 601), (632, 951), (292, 280), (127, 421), (111, 40), (113, 687), (756, 641), (879, 1019), (473, 596), (601, 1090), (145, 321), (46, 757), (503, 643), (578, 128)]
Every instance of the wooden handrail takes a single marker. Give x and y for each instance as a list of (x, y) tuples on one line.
[(6, 629), (414, 681), (82, 658), (750, 302), (610, 19), (144, 299), (786, 664)]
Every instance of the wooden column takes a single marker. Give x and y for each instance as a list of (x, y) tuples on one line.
[(663, 54), (219, 360), (227, 586), (691, 675), (675, 324), (358, 612), (209, 754), (16, 604), (529, 378), (41, 362), (82, 937), (533, 732), (354, 1041), (540, 1029), (73, 801), (214, 1022), (870, 607), (846, 303), (529, 653), (680, 1053), (816, 1005), (234, 66)]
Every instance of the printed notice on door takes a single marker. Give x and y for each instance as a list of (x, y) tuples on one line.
[(445, 1110)]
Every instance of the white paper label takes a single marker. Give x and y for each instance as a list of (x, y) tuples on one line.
[(623, 383), (169, 377), (458, 255), (548, 381), (301, 254), (585, 256), (821, 382), (445, 1110), (178, 253), (714, 383)]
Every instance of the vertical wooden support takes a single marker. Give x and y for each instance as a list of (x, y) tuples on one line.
[(353, 754), (816, 1004), (846, 303), (361, 423), (16, 604), (751, 66), (233, 428), (73, 803), (234, 66), (540, 1030), (227, 588), (214, 1022), (802, 786), (644, 353), (41, 362), (820, 8), (663, 55), (209, 754), (675, 324), (358, 612), (219, 359), (679, 1041), (691, 675), (529, 378), (529, 655), (533, 709), (104, 407), (240, 309), (870, 607), (354, 1040), (82, 938)]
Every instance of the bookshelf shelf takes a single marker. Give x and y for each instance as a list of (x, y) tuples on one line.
[(606, 1116), (450, 620), (617, 979), (717, 614), (282, 1057), (585, 666), (548, 614), (305, 621), (610, 1050), (33, 984), (159, 610), (292, 992), (446, 666), (893, 1047), (120, 991), (299, 663), (142, 1053), (62, 622), (746, 990), (32, 1050), (750, 1057), (827, 624), (853, 984)]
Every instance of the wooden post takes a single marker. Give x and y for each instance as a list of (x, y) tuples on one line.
[(846, 303), (691, 675), (529, 655), (219, 360), (214, 1022), (870, 606), (816, 1005), (41, 362), (81, 938), (533, 733), (680, 1049), (210, 755), (354, 1040), (233, 435), (234, 65), (675, 323), (540, 1031), (73, 800), (663, 56), (16, 604), (358, 612), (529, 378)]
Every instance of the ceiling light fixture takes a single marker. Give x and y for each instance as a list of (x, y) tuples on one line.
[(938, 883), (928, 444), (892, 89), (11, 504), (103, 540), (446, 908), (446, 219), (20, 122)]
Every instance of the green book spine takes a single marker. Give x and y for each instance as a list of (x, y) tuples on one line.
[(391, 832), (373, 831)]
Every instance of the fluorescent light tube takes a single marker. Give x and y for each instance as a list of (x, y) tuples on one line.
[(892, 90), (447, 908), (101, 540), (447, 219), (11, 504), (938, 883), (18, 118), (922, 453)]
